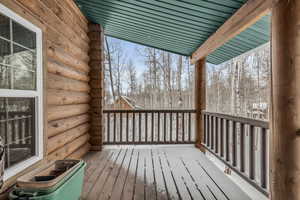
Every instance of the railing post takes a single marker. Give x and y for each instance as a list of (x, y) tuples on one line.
[(200, 101), (285, 113)]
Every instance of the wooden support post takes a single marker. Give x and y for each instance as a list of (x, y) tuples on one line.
[(200, 98), (96, 63), (285, 93)]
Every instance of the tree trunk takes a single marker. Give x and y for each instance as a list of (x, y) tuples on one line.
[(110, 70)]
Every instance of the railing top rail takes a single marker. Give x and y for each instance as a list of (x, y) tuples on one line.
[(150, 111), (244, 120)]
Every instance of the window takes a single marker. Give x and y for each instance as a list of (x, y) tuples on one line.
[(20, 91)]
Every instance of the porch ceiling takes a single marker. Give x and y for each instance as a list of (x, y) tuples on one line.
[(175, 26)]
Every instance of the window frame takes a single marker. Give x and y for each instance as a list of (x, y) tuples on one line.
[(37, 94)]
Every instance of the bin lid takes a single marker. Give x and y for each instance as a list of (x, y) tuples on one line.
[(49, 175)]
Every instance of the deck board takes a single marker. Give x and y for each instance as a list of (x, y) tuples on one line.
[(156, 173)]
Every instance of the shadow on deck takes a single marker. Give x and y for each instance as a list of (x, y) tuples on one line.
[(156, 172)]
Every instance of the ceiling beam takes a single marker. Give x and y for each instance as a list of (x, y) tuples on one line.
[(247, 15)]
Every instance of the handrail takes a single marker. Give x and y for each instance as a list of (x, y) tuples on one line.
[(150, 111), (231, 138), (244, 120)]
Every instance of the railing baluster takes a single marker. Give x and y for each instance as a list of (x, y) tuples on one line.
[(227, 140), (177, 128), (15, 132), (140, 128), (171, 127), (158, 127), (133, 127), (189, 127), (222, 137), (152, 126), (212, 133), (165, 126), (217, 135), (263, 158), (127, 127), (108, 127), (115, 138), (27, 123), (183, 132), (242, 147), (208, 130), (234, 143), (121, 127), (251, 153)]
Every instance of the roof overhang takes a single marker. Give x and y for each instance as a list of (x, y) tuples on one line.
[(184, 27)]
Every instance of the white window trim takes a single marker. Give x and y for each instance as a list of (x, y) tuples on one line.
[(38, 93)]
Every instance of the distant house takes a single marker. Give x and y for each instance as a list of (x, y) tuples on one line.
[(125, 103)]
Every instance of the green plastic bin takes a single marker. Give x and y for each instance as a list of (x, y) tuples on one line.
[(69, 188)]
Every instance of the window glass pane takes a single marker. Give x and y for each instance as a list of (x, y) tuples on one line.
[(5, 51), (17, 128), (4, 27), (5, 54), (4, 77), (23, 62), (23, 36)]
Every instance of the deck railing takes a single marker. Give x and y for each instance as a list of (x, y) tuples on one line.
[(17, 128), (149, 126), (241, 144)]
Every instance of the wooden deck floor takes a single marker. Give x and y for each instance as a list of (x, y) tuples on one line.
[(155, 173)]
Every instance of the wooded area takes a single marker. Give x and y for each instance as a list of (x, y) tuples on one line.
[(167, 80), (241, 86), (238, 87)]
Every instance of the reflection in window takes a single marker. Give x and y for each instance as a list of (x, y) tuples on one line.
[(18, 59), (23, 36), (18, 64), (4, 27), (17, 128)]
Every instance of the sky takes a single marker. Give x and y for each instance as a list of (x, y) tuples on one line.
[(132, 53)]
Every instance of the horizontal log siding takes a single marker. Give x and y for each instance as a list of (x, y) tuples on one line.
[(67, 61)]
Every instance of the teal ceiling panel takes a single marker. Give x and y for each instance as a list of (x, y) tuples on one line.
[(178, 26)]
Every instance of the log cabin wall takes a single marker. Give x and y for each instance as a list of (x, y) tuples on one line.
[(67, 46), (67, 96)]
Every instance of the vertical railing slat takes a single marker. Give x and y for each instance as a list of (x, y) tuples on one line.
[(165, 127), (190, 128), (127, 127), (217, 135), (171, 127), (152, 127), (146, 127), (133, 127), (234, 143), (158, 127), (177, 127), (227, 140), (121, 127), (263, 157), (114, 129), (212, 133), (140, 127), (222, 137), (242, 147), (108, 127), (183, 132), (251, 153)]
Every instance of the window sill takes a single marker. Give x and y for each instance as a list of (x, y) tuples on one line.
[(14, 170)]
